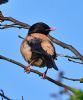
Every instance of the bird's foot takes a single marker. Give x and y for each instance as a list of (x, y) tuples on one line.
[(27, 69), (43, 76)]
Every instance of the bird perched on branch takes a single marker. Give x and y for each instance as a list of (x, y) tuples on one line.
[(3, 1), (37, 49)]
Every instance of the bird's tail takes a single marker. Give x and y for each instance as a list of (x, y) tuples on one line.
[(55, 66), (51, 64), (48, 60)]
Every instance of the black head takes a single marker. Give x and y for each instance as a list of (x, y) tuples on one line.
[(39, 28)]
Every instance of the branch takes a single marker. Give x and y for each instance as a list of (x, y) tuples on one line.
[(23, 25), (70, 47), (67, 56), (75, 61), (73, 79), (10, 26), (71, 58), (22, 98), (37, 72), (3, 96), (70, 78)]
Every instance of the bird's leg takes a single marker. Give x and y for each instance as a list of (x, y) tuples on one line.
[(44, 74), (27, 69)]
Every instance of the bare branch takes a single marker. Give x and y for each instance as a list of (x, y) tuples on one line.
[(73, 79), (3, 96), (2, 18), (70, 78), (64, 45), (22, 98), (67, 56), (71, 58), (9, 26), (37, 72), (75, 61)]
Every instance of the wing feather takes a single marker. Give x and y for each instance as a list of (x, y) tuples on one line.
[(49, 48)]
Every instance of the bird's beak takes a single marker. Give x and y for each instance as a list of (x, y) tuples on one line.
[(52, 29)]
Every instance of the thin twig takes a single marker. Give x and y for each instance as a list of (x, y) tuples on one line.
[(25, 26), (64, 45), (21, 37), (72, 79), (22, 98), (75, 61), (10, 26), (67, 56), (3, 96), (71, 58)]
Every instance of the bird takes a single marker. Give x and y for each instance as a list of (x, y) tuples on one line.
[(37, 49), (3, 1)]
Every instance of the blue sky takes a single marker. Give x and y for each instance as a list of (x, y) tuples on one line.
[(67, 17)]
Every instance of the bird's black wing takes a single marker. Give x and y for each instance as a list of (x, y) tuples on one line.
[(39, 51)]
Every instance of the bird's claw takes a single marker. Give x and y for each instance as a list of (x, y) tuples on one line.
[(43, 76), (27, 69)]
